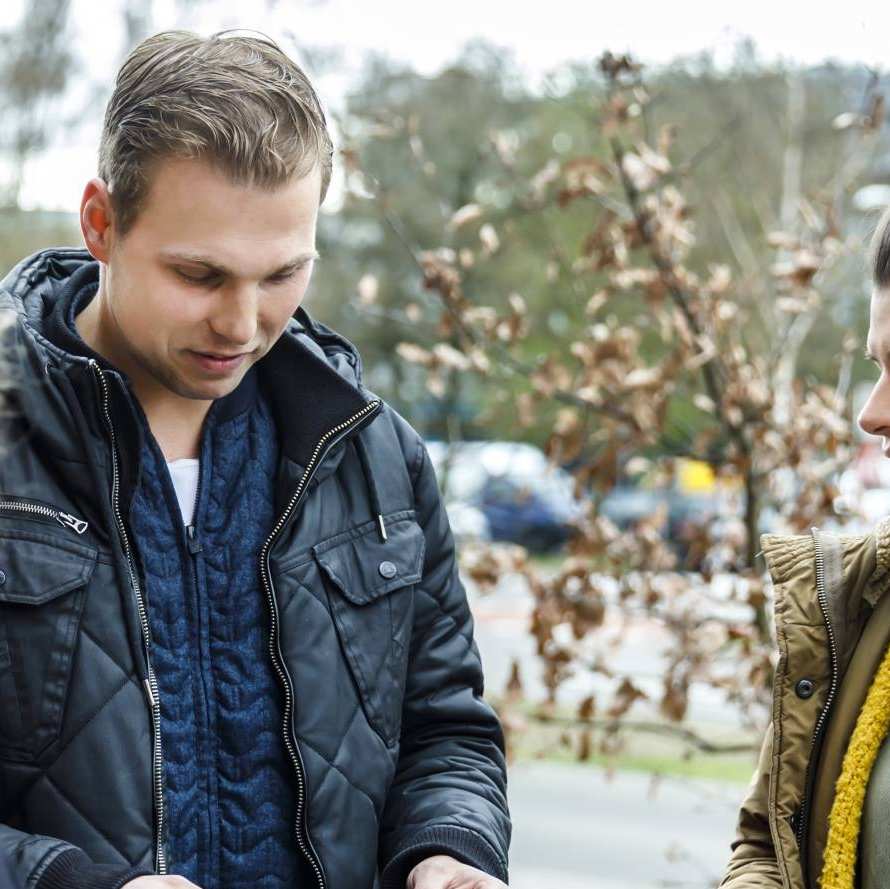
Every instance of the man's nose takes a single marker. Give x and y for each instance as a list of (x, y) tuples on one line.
[(235, 318)]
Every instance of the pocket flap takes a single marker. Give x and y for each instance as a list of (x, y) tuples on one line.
[(36, 568), (363, 567)]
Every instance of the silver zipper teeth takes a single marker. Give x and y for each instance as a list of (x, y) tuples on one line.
[(63, 518), (152, 688), (832, 689), (277, 661)]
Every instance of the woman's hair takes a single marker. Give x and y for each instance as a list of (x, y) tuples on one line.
[(238, 102), (880, 252)]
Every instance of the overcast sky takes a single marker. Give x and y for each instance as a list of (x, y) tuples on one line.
[(428, 35)]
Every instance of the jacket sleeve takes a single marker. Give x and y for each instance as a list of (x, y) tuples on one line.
[(449, 792), (753, 863), (34, 861)]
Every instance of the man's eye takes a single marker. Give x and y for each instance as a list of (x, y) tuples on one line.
[(278, 279), (208, 279), (200, 279)]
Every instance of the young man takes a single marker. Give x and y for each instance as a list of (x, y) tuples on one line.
[(234, 646), (817, 810)]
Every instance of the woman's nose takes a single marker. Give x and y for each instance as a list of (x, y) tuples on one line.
[(874, 418)]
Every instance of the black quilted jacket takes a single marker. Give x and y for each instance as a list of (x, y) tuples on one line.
[(395, 753)]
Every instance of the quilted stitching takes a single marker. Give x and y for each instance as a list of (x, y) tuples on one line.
[(98, 710), (336, 768), (88, 635), (95, 827), (467, 636)]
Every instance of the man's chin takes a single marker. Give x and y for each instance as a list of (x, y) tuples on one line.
[(219, 389), (208, 390)]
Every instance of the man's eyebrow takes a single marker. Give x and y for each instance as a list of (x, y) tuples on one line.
[(219, 268)]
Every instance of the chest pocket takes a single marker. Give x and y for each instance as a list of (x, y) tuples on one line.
[(42, 589), (370, 585)]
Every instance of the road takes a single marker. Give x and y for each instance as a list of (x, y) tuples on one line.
[(573, 828)]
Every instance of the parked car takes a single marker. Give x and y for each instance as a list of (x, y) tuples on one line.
[(522, 498), (626, 505)]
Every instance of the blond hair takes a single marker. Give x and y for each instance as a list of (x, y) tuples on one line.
[(238, 102)]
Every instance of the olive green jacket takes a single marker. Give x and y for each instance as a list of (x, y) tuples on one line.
[(832, 628)]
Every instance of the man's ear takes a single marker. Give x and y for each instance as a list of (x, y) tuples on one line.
[(96, 219)]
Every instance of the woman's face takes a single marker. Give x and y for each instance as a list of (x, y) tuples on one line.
[(875, 415)]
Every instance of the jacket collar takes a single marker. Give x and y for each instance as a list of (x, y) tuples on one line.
[(877, 583), (790, 554)]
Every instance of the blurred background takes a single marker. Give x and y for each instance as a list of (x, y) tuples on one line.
[(611, 263)]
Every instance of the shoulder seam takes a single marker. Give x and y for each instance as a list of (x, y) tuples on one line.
[(417, 462)]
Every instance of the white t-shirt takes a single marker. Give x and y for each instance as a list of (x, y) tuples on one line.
[(184, 473)]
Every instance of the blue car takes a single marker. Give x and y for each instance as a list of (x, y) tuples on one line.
[(522, 498)]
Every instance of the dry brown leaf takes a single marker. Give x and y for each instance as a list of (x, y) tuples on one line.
[(489, 238), (467, 213), (414, 354)]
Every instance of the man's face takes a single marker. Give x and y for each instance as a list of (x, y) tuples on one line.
[(208, 269), (875, 415)]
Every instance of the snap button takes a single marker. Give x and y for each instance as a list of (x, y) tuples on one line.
[(2, 576), (388, 569), (805, 688)]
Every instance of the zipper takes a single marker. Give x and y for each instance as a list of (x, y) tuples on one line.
[(321, 448), (802, 825), (151, 684), (40, 510), (194, 545), (191, 532)]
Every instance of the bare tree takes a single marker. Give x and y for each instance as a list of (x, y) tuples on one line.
[(608, 396), (36, 62)]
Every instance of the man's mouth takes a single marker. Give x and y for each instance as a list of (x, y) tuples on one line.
[(220, 363)]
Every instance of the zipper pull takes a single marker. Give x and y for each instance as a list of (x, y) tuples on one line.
[(194, 543), (68, 521)]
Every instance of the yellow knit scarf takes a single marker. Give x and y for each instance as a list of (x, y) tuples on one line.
[(839, 863)]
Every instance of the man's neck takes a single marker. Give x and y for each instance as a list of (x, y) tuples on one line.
[(175, 422), (178, 436)]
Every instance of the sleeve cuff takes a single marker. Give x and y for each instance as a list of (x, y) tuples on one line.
[(73, 869), (461, 843)]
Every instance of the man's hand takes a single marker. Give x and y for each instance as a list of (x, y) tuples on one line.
[(445, 872), (153, 882)]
